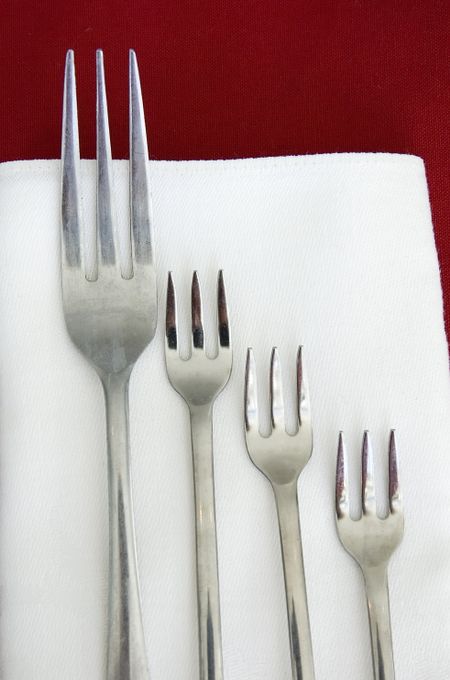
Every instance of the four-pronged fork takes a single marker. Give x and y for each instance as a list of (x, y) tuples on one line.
[(199, 380), (371, 541), (111, 319), (281, 457)]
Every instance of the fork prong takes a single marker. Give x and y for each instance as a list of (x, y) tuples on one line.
[(140, 199), (171, 315), (368, 487), (71, 212), (198, 339), (276, 391), (304, 403), (222, 314), (395, 498), (342, 502), (251, 394), (106, 218)]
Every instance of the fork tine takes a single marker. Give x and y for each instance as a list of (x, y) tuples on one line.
[(342, 503), (140, 201), (251, 394), (276, 391), (71, 212), (222, 314), (198, 339), (105, 189), (368, 487), (395, 497), (171, 315), (304, 403)]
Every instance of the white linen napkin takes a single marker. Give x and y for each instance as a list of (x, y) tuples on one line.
[(335, 252)]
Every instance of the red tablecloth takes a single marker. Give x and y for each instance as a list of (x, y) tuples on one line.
[(240, 78)]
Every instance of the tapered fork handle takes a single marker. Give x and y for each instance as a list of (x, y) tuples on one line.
[(380, 622), (126, 657), (294, 578), (210, 638)]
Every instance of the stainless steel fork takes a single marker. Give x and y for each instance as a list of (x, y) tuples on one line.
[(199, 380), (371, 542), (281, 457), (111, 319)]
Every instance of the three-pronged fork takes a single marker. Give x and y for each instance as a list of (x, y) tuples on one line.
[(111, 319), (281, 457), (199, 380), (371, 542)]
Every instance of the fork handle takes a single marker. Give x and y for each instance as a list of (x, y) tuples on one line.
[(210, 642), (380, 622), (294, 578), (126, 657)]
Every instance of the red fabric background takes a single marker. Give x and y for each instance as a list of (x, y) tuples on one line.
[(232, 78)]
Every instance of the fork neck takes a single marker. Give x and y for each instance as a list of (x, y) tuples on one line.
[(126, 646), (200, 412), (115, 382), (294, 576), (380, 621), (208, 596)]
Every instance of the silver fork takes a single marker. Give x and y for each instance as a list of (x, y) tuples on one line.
[(281, 457), (111, 319), (199, 380), (371, 542)]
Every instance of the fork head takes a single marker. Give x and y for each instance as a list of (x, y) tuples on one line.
[(371, 540), (110, 308), (200, 378), (280, 456)]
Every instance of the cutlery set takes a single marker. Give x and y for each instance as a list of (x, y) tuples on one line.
[(110, 310)]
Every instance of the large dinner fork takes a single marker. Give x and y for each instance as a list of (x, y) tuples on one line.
[(281, 457), (111, 319), (199, 380), (371, 542)]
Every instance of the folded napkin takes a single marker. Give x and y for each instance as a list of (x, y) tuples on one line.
[(335, 252)]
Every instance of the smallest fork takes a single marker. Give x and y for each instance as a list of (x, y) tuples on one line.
[(371, 541)]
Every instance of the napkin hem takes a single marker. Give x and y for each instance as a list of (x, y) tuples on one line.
[(265, 163)]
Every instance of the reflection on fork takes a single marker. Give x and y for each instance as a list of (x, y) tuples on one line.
[(199, 380), (111, 317), (281, 457)]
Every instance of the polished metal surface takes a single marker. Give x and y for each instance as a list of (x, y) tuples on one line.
[(110, 315), (281, 457), (371, 541), (199, 380)]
